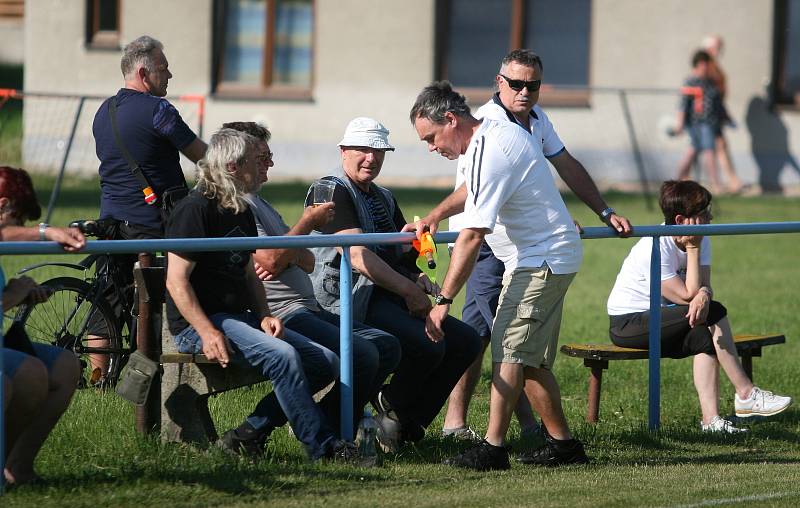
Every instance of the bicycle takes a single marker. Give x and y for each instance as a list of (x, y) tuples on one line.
[(78, 306)]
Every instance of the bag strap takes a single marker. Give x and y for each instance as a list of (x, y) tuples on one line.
[(150, 196)]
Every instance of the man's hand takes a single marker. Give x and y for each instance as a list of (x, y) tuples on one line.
[(427, 285), (216, 347), (698, 309), (417, 302), (620, 224), (319, 215), (70, 238), (272, 326), (421, 226), (262, 272), (434, 322)]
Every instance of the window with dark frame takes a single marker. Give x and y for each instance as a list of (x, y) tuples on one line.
[(472, 39), (263, 48), (786, 56), (102, 23)]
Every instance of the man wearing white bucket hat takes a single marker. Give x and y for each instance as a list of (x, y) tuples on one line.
[(389, 292)]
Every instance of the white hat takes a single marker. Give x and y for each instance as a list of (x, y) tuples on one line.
[(363, 131)]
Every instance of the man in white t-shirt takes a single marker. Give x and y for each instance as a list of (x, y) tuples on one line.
[(518, 83), (511, 200)]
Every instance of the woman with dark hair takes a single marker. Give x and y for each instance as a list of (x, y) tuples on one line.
[(692, 324), (39, 386)]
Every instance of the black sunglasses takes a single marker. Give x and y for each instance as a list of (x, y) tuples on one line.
[(519, 84)]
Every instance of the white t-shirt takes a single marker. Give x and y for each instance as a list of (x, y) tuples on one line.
[(511, 192), (541, 131), (631, 291)]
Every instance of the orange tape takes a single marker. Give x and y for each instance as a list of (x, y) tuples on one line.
[(697, 93)]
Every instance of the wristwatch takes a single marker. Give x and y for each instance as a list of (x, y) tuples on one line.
[(42, 227), (606, 213), (440, 299)]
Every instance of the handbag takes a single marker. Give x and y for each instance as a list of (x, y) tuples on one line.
[(136, 378)]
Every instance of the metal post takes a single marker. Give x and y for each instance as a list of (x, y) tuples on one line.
[(637, 154), (654, 408), (345, 344), (147, 416), (2, 391), (57, 187)]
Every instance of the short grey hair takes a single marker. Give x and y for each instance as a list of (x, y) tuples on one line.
[(437, 99), (524, 57), (214, 179), (139, 52)]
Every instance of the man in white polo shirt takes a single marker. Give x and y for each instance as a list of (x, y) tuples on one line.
[(511, 200), (517, 82)]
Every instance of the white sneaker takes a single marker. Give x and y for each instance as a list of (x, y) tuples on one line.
[(761, 403), (720, 424)]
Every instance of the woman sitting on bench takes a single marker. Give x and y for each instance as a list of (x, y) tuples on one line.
[(692, 324)]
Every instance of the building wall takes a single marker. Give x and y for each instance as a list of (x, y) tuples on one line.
[(372, 58)]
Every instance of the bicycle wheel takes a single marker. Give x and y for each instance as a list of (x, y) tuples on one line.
[(66, 318)]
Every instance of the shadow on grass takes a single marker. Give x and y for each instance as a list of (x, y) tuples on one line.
[(225, 475)]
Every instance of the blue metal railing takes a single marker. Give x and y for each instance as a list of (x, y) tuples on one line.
[(346, 241)]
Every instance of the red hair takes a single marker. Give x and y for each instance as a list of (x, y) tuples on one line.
[(16, 185)]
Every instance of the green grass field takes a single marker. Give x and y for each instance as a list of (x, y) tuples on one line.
[(94, 458)]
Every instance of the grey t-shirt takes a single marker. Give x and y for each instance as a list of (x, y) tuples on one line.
[(292, 289)]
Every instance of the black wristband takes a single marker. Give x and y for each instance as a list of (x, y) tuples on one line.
[(440, 299)]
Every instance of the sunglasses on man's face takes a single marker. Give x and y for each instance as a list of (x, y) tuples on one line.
[(519, 84)]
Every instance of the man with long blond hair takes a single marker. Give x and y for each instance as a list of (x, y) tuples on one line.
[(217, 306)]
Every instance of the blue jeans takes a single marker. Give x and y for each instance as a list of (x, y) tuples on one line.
[(428, 370), (47, 354), (296, 366), (375, 355)]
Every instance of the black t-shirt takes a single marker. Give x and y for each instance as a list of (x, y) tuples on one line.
[(218, 278), (346, 217)]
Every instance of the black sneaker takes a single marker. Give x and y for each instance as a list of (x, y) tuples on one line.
[(555, 454), (250, 447), (481, 457), (342, 451)]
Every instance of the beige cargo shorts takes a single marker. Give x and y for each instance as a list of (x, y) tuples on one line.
[(528, 317)]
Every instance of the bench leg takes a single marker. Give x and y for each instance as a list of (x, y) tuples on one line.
[(596, 368)]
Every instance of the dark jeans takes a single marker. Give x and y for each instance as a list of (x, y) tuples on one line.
[(296, 366), (376, 354), (124, 263), (428, 370), (483, 292), (678, 339)]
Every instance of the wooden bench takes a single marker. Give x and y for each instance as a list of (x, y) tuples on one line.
[(186, 385), (596, 358)]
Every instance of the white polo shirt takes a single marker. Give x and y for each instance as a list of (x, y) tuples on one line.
[(541, 132), (631, 292), (511, 192)]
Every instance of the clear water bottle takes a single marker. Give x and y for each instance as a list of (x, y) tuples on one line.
[(366, 438)]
